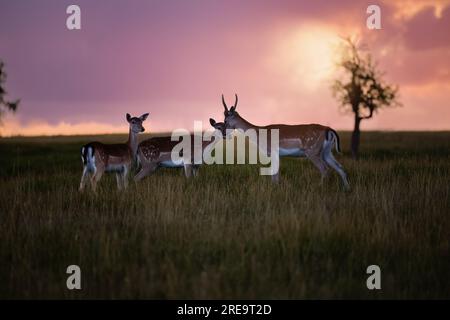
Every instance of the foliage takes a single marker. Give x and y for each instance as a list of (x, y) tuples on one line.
[(363, 92), (5, 104)]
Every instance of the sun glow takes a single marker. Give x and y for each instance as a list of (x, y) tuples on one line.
[(308, 55)]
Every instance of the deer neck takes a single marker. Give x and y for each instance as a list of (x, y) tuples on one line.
[(245, 125), (214, 140), (132, 142), (209, 145)]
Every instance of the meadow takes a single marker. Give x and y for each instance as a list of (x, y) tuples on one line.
[(229, 233)]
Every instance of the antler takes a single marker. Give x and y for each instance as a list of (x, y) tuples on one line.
[(235, 103), (224, 103)]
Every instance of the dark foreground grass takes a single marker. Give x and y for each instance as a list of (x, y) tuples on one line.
[(229, 233)]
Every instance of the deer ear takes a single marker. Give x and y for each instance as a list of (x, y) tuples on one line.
[(128, 117), (212, 121), (144, 116)]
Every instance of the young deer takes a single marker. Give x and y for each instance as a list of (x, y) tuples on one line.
[(312, 141), (98, 157), (156, 152)]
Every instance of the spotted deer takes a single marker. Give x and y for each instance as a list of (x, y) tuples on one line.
[(157, 152), (313, 141), (99, 158)]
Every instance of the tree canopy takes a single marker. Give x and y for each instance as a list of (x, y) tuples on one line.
[(5, 105), (363, 90)]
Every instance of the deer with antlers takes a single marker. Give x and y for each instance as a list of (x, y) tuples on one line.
[(313, 141), (157, 152), (99, 158)]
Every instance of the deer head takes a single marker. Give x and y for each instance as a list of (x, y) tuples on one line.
[(231, 115), (136, 122), (219, 126)]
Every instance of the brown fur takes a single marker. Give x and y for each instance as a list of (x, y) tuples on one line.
[(312, 139), (117, 157)]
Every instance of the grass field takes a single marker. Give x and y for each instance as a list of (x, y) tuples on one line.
[(229, 233)]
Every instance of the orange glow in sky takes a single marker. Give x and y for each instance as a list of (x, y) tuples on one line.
[(175, 59)]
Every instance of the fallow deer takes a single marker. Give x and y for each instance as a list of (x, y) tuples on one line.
[(98, 157), (313, 141), (157, 152)]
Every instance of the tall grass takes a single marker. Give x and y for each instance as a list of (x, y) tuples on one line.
[(229, 233)]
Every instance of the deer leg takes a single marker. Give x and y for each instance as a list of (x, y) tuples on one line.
[(273, 163), (276, 177), (188, 170), (124, 176), (119, 180), (146, 170), (329, 158), (320, 164), (84, 177), (195, 170), (96, 177)]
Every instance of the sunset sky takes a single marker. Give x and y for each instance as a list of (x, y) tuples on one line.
[(174, 59)]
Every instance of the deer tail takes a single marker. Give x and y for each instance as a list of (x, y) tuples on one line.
[(87, 153), (332, 135)]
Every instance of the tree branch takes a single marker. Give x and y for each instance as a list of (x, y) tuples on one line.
[(368, 116)]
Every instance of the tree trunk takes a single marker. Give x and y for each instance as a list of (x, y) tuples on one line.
[(355, 137)]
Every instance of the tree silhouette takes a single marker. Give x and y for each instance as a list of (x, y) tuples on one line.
[(4, 104), (362, 92)]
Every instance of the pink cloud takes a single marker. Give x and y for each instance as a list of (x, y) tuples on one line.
[(425, 30), (174, 59)]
